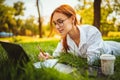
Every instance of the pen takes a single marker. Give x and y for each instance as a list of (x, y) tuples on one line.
[(41, 51)]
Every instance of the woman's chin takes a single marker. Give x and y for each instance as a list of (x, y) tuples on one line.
[(62, 34)]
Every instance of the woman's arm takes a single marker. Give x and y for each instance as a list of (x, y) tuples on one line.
[(58, 49)]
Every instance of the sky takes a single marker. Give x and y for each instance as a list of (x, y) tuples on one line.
[(46, 6)]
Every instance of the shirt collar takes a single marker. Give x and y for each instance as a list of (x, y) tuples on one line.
[(82, 38)]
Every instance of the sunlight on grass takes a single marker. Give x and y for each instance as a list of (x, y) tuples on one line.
[(27, 39), (37, 39)]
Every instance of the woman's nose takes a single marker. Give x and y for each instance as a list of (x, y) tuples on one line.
[(57, 26)]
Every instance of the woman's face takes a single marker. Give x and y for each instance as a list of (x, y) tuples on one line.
[(62, 23)]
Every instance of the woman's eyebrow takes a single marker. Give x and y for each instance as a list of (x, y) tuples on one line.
[(57, 20)]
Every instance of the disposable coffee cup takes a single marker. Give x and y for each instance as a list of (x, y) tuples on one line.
[(107, 64)]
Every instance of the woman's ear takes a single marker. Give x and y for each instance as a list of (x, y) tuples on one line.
[(73, 19)]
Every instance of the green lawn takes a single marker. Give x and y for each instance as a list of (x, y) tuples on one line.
[(8, 71)]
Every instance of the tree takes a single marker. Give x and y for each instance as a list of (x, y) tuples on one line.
[(8, 22), (19, 7), (6, 18), (19, 11), (97, 13), (31, 26), (96, 8), (1, 1), (39, 19), (86, 11)]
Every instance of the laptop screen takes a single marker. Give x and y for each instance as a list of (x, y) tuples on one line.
[(15, 52)]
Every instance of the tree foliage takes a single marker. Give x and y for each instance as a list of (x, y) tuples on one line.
[(6, 18), (108, 9), (19, 7), (10, 20)]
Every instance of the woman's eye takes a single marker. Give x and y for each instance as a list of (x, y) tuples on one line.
[(60, 21)]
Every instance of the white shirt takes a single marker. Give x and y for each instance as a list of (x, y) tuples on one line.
[(91, 44)]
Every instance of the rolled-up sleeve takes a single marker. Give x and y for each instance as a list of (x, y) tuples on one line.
[(58, 49)]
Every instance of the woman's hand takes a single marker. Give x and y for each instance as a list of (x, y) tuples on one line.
[(44, 56)]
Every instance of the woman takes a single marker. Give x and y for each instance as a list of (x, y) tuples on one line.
[(82, 40)]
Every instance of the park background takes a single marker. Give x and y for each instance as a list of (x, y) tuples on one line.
[(26, 22)]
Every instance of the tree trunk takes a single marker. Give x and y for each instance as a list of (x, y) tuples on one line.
[(40, 23), (97, 13)]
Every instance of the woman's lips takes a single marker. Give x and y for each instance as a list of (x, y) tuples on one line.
[(61, 30)]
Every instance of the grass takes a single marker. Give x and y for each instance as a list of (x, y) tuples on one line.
[(32, 48), (11, 72)]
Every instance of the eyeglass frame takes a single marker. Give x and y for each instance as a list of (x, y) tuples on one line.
[(60, 23)]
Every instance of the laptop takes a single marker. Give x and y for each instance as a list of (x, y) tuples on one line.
[(15, 52)]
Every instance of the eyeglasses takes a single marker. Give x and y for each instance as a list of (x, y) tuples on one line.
[(60, 22)]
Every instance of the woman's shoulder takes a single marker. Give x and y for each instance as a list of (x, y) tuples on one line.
[(87, 27)]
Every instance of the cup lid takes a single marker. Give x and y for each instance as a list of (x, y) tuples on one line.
[(107, 57)]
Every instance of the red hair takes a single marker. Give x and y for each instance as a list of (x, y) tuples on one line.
[(68, 11)]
